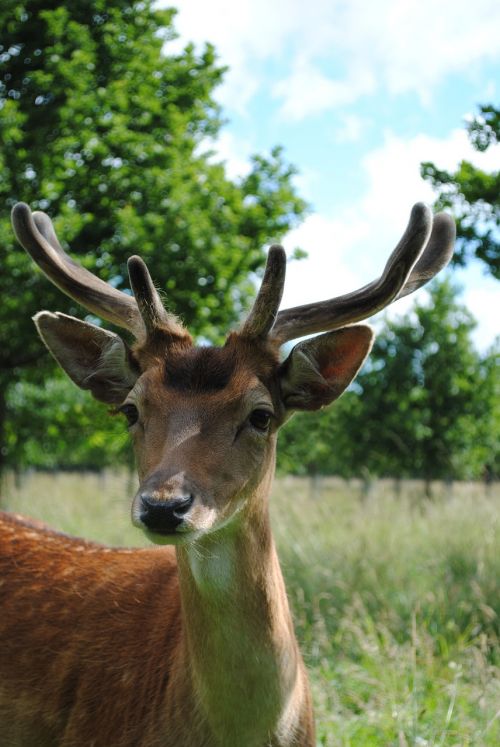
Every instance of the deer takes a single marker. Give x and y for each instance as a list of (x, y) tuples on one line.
[(188, 642)]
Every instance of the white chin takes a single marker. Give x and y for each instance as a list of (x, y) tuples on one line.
[(176, 538)]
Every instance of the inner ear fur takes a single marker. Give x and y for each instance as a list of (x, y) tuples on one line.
[(94, 358), (318, 370)]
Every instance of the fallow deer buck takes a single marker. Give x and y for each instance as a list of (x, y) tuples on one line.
[(191, 646)]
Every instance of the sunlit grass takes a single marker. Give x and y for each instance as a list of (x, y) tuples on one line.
[(396, 598), (94, 506), (397, 603)]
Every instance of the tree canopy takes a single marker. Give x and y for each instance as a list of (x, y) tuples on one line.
[(425, 405), (473, 195), (112, 135)]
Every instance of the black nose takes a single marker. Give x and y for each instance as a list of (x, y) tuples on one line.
[(164, 517)]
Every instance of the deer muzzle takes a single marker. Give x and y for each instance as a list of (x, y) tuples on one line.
[(163, 516)]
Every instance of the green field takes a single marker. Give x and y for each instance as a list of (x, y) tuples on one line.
[(396, 598)]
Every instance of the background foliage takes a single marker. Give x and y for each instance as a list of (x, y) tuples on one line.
[(473, 195), (111, 135), (425, 405)]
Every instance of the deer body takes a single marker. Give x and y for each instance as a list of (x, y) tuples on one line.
[(112, 662), (192, 647), (101, 625)]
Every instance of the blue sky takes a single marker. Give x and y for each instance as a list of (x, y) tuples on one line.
[(358, 93)]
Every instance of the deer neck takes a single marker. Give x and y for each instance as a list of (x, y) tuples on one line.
[(244, 662)]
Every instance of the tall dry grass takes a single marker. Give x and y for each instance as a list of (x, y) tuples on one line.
[(396, 598)]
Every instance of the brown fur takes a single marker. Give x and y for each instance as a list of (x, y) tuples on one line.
[(150, 648), (94, 643), (105, 647), (87, 635), (153, 648)]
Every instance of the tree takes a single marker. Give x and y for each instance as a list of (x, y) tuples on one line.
[(423, 406), (110, 135), (424, 409), (473, 195), (58, 426)]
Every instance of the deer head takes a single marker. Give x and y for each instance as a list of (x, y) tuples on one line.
[(204, 419)]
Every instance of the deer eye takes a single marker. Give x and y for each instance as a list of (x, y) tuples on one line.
[(131, 413), (260, 419)]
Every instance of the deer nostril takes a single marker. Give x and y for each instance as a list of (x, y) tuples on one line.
[(164, 516), (183, 505)]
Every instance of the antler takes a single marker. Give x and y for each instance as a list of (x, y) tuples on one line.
[(424, 249), (36, 234), (266, 305)]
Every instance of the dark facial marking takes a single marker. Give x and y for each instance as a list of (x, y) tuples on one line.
[(200, 369)]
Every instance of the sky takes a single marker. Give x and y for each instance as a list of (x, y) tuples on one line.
[(358, 93)]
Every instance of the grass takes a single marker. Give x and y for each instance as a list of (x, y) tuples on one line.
[(396, 598)]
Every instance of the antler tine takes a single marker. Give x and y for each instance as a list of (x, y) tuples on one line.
[(363, 303), (265, 308), (44, 225), (36, 234), (436, 255), (153, 313)]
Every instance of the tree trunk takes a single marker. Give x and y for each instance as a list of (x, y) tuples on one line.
[(3, 414), (3, 448), (315, 486), (428, 488)]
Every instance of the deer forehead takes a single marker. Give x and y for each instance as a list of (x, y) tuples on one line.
[(189, 391)]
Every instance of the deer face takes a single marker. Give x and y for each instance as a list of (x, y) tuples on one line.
[(204, 430), (203, 420), (204, 425)]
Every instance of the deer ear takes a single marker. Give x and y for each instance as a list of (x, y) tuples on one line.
[(318, 370), (93, 358)]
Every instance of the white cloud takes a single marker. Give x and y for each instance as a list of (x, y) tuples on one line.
[(307, 91), (352, 127), (245, 34), (482, 301), (315, 56), (327, 271), (333, 52), (305, 182), (349, 248), (393, 172), (232, 151)]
